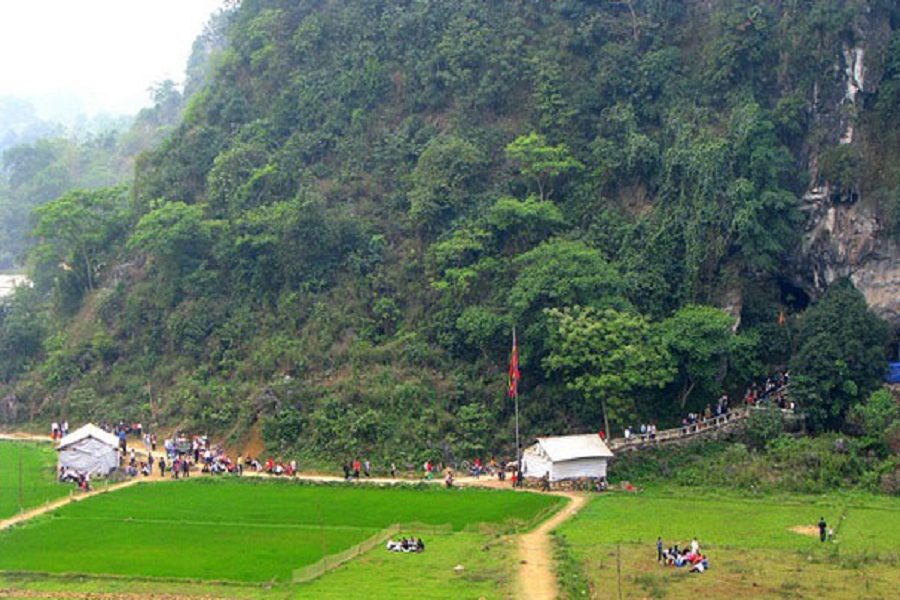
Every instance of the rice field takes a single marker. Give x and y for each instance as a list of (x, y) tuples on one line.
[(241, 530), (27, 476)]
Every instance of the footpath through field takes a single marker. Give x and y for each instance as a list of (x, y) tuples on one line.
[(536, 577), (75, 497)]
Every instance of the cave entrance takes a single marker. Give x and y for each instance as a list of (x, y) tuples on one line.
[(791, 296)]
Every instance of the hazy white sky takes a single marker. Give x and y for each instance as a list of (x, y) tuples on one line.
[(107, 52)]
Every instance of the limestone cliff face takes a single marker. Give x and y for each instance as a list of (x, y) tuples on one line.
[(843, 236), (847, 241)]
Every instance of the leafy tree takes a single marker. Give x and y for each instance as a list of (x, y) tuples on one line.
[(840, 356), (561, 273), (522, 224), (77, 228), (23, 324), (540, 162), (701, 340), (444, 180), (175, 234), (604, 355), (877, 417)]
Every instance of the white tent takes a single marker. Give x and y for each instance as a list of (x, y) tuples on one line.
[(566, 457), (89, 449)]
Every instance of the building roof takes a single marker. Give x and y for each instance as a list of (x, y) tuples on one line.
[(89, 431), (572, 447)]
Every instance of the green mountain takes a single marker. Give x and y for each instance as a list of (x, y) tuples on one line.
[(366, 197)]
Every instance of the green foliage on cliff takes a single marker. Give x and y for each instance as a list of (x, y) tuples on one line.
[(366, 197)]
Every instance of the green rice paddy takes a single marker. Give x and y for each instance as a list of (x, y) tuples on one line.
[(239, 530), (27, 476)]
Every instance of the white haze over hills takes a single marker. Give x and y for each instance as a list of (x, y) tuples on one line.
[(71, 59)]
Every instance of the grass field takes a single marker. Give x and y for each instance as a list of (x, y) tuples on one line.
[(488, 568), (755, 546), (239, 530), (37, 484)]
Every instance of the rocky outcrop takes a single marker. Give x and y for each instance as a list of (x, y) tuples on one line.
[(843, 236), (847, 241)]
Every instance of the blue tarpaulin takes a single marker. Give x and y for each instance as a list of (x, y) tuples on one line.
[(893, 374)]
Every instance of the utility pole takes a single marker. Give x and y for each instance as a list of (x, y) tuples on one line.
[(19, 455)]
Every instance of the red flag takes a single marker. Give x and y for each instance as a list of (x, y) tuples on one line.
[(514, 374)]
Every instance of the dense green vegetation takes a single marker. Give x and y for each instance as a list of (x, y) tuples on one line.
[(364, 197), (27, 476), (253, 531), (760, 547)]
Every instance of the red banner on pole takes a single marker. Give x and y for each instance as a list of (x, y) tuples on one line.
[(514, 374)]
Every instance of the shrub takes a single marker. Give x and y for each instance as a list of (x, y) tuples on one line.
[(763, 426)]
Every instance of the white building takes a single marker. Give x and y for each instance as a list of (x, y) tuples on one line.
[(89, 449), (567, 457)]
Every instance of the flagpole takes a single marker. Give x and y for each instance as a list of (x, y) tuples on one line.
[(516, 397)]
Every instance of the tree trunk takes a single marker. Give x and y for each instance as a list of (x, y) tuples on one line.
[(605, 419), (685, 392)]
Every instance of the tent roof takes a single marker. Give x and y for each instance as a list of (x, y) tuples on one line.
[(89, 431), (571, 447)]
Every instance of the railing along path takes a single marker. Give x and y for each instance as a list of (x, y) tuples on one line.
[(702, 427)]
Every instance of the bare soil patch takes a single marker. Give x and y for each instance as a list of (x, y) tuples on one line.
[(810, 530)]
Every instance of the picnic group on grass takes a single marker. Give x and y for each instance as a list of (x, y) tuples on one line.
[(409, 544), (689, 557)]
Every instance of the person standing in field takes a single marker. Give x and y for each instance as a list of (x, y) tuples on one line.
[(822, 529), (659, 549)]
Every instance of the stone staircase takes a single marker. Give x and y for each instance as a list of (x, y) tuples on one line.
[(707, 430)]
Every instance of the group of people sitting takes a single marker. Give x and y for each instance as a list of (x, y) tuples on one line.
[(687, 557), (409, 544), (81, 479)]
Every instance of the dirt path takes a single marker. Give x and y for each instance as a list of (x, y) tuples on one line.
[(536, 577), (76, 497)]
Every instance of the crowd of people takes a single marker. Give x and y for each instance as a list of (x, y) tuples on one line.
[(772, 391), (689, 556)]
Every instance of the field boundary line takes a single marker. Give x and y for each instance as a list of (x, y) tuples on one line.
[(333, 561)]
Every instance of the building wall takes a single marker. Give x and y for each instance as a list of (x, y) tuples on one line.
[(575, 469), (535, 466)]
